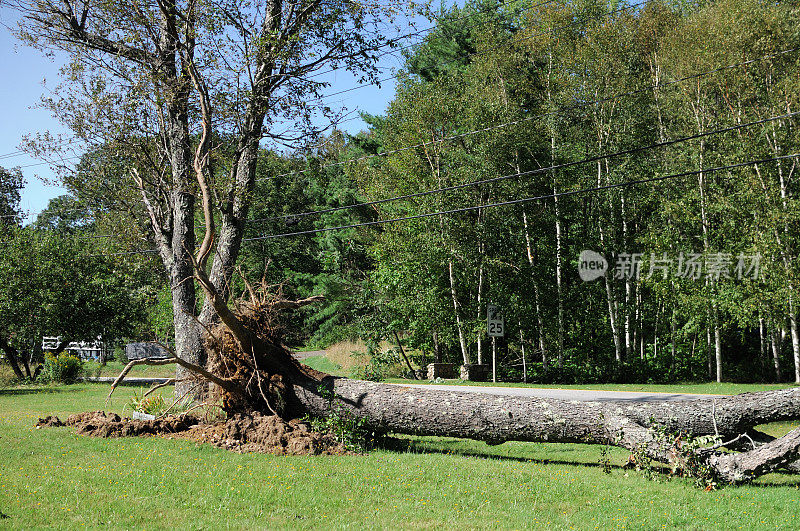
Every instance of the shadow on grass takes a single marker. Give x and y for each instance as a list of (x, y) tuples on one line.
[(778, 479), (424, 447), (782, 478)]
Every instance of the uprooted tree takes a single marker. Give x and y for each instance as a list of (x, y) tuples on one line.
[(251, 372), (157, 80)]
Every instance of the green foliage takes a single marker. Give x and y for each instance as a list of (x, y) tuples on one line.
[(562, 83), (348, 429), (160, 316), (54, 284), (11, 183), (64, 368), (65, 214)]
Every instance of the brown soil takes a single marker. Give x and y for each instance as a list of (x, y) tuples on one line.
[(50, 421), (241, 433), (265, 434)]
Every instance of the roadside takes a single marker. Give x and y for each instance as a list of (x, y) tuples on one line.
[(701, 388)]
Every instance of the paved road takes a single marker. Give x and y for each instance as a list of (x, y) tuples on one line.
[(134, 380), (308, 354), (583, 395), (129, 380)]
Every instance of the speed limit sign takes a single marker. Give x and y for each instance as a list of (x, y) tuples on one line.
[(494, 321)]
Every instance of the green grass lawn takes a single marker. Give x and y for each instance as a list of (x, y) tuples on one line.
[(55, 478), (113, 368), (322, 363)]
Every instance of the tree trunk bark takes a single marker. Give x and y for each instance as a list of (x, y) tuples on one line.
[(481, 311), (795, 345), (522, 348), (12, 356), (718, 345), (461, 339), (539, 320), (776, 354)]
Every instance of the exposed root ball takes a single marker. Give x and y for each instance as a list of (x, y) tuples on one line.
[(261, 315)]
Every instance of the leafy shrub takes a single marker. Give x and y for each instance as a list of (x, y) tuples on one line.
[(151, 405), (383, 364), (64, 368), (345, 427)]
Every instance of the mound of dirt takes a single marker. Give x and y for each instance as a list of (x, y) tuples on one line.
[(268, 434), (101, 424), (241, 433)]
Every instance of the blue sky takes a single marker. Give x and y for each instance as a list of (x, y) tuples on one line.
[(22, 74)]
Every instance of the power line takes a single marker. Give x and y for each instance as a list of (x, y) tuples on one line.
[(497, 204), (525, 199), (62, 142), (593, 158), (535, 171)]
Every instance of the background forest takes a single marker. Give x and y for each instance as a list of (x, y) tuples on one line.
[(661, 135)]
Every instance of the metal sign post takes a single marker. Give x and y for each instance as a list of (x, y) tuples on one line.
[(495, 326)]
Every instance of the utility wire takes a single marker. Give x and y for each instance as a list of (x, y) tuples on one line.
[(593, 158), (511, 202), (562, 110), (500, 203), (524, 199), (527, 173)]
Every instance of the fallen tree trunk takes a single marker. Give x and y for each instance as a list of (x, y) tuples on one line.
[(497, 418), (660, 430)]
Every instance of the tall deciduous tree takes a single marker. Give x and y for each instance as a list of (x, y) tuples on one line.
[(171, 85)]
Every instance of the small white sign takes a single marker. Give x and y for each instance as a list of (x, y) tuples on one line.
[(138, 415), (494, 321)]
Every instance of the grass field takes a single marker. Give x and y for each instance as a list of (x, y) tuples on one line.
[(55, 478)]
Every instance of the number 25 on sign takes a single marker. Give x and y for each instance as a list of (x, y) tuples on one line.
[(494, 321)]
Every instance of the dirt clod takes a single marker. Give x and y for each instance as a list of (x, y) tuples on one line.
[(50, 421)]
